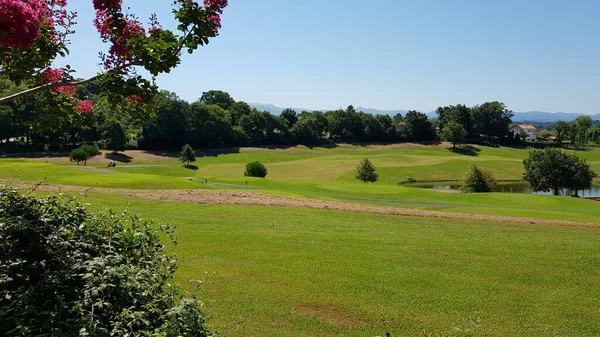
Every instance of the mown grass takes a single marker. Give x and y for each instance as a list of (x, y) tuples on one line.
[(328, 174), (302, 272)]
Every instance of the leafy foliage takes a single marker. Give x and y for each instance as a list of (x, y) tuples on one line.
[(83, 153), (454, 133), (113, 136), (255, 169), (479, 180), (187, 155), (554, 170), (65, 271), (365, 171), (78, 155)]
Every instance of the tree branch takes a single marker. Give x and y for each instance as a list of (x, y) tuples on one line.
[(43, 87)]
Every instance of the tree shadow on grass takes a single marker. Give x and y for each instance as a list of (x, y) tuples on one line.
[(191, 167), (466, 150), (120, 157)]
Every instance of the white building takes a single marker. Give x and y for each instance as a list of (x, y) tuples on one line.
[(530, 130)]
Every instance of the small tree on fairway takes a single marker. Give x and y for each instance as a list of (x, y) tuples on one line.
[(365, 171), (479, 180), (91, 151), (78, 155), (187, 155), (554, 170), (255, 169), (454, 133)]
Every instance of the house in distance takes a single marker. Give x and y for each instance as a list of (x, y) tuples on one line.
[(530, 130)]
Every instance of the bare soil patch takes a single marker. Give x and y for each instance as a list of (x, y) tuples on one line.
[(105, 157), (229, 197)]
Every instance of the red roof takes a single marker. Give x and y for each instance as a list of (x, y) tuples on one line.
[(526, 127)]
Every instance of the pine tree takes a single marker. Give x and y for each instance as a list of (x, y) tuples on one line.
[(365, 171), (187, 154)]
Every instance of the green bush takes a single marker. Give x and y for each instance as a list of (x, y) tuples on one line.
[(255, 169), (83, 153), (90, 150), (65, 271), (79, 155), (479, 180)]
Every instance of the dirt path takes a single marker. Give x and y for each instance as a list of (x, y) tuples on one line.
[(229, 197)]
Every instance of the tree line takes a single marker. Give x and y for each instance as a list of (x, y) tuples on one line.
[(218, 120)]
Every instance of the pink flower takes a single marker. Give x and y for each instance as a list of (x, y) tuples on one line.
[(85, 107), (19, 26), (68, 89), (52, 75), (107, 5), (133, 100)]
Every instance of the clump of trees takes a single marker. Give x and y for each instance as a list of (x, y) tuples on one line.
[(187, 155), (581, 132), (67, 271), (479, 180), (83, 153), (366, 171), (555, 170), (255, 169)]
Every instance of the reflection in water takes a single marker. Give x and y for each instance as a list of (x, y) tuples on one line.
[(516, 187)]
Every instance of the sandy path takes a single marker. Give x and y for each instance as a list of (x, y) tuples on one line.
[(229, 197)]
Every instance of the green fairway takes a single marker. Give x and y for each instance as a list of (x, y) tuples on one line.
[(302, 272), (328, 174)]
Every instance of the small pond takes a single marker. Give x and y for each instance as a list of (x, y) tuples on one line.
[(511, 187)]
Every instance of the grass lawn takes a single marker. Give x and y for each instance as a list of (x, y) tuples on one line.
[(328, 174), (302, 272)]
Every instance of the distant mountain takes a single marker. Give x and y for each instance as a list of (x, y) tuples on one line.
[(530, 116), (382, 112), (540, 116), (273, 109)]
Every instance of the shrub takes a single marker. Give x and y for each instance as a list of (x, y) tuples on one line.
[(255, 169), (90, 150), (365, 171), (67, 272), (79, 155), (479, 180)]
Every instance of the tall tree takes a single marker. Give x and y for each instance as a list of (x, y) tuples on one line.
[(210, 126), (454, 133), (290, 117), (237, 110), (459, 113), (491, 119), (417, 127), (217, 97), (563, 130), (170, 129), (113, 136)]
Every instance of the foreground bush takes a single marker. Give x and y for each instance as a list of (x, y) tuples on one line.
[(65, 271), (479, 180), (255, 169)]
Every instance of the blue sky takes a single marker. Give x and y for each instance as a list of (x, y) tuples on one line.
[(386, 54)]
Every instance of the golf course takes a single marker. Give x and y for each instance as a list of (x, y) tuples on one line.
[(312, 251)]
